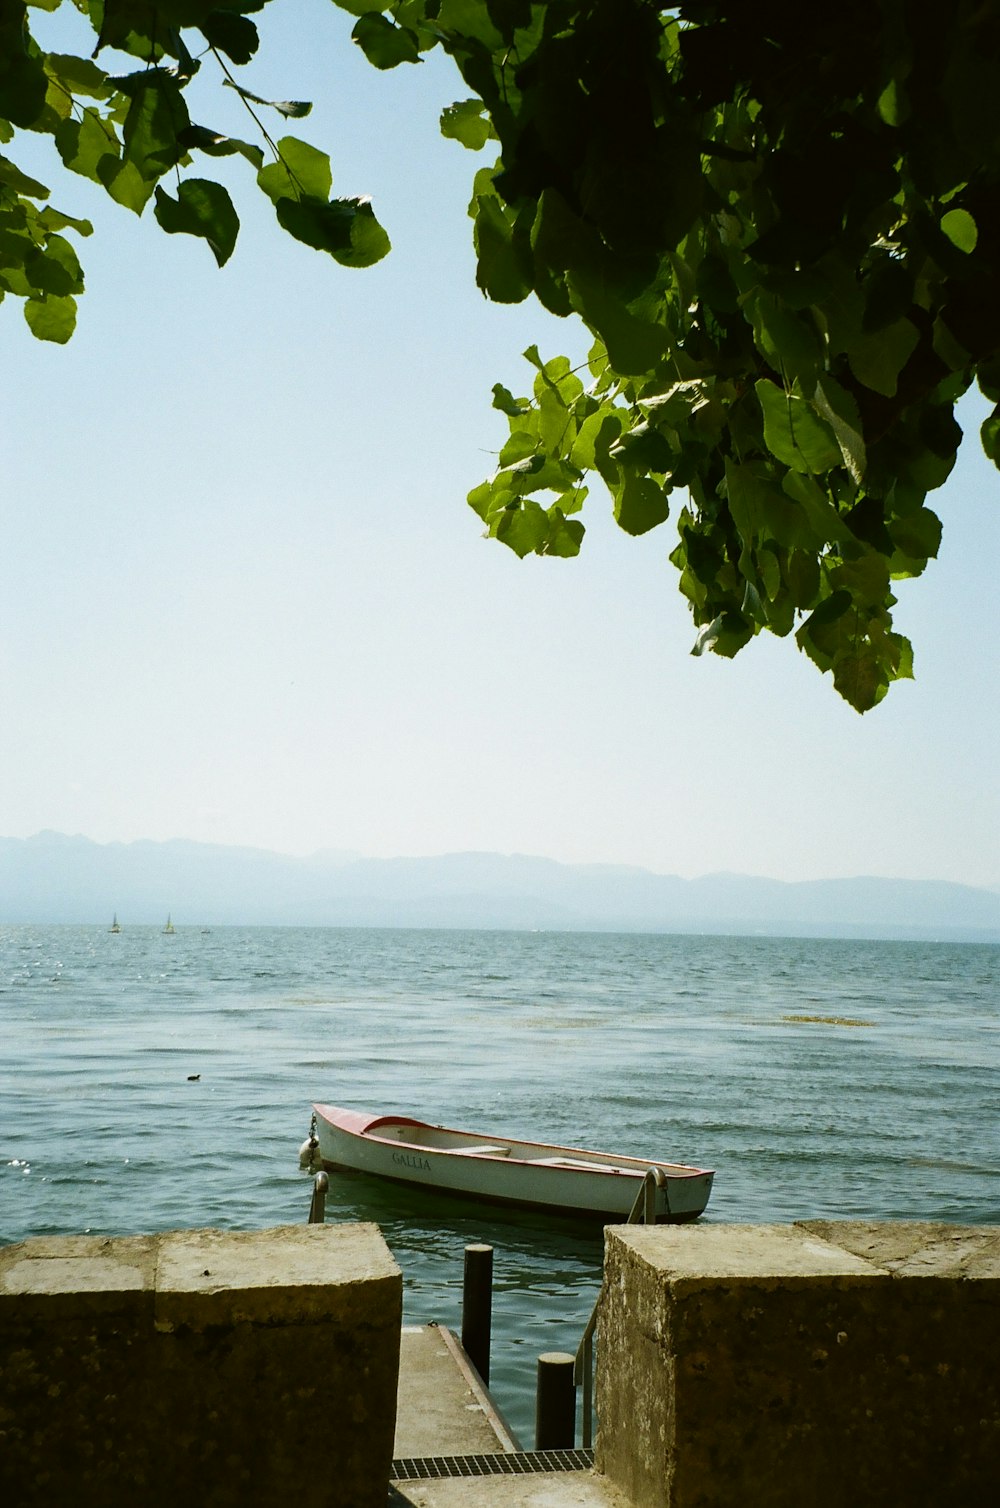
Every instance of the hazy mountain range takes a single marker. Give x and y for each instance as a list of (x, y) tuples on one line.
[(52, 878)]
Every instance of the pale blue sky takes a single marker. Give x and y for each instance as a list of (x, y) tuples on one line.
[(242, 598)]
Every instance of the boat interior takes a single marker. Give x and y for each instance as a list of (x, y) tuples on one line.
[(438, 1138)]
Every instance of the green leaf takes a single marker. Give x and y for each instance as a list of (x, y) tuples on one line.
[(802, 577), (234, 35), (821, 517), (355, 7), (860, 680), (505, 401), (893, 105), (22, 78), (865, 576), (595, 437), (125, 183), (293, 109), (55, 268), (990, 436), (834, 404), (725, 635), (78, 75), (156, 115), (466, 122), (202, 208), (301, 170), (904, 660), (634, 344), (918, 535), (13, 178), (384, 44), (14, 252), (53, 219), (785, 338), (640, 505), (820, 634), (84, 144), (538, 473), (760, 509), (481, 499), (45, 276), (345, 228), (988, 378), (557, 377), (644, 448), (214, 144), (565, 534), (559, 237), (770, 573), (843, 308), (877, 359), (471, 20), (793, 432), (525, 529), (889, 289), (501, 270), (961, 230), (51, 318), (520, 445), (752, 606), (866, 521), (556, 428)]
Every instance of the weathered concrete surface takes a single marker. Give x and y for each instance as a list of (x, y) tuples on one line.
[(216, 1368), (439, 1412), (825, 1364), (914, 1249)]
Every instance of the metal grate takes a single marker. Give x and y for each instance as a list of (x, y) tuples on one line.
[(515, 1463)]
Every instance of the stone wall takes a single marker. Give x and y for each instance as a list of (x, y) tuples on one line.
[(823, 1365), (204, 1367)]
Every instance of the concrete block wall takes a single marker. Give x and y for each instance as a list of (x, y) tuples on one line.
[(834, 1365), (204, 1367)]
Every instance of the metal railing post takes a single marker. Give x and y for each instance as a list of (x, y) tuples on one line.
[(583, 1373), (654, 1180), (317, 1205)]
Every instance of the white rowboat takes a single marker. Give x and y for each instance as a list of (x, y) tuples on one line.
[(500, 1170)]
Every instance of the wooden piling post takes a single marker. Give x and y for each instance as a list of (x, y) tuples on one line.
[(555, 1402), (477, 1307)]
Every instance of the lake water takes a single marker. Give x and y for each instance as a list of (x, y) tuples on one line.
[(679, 1048)]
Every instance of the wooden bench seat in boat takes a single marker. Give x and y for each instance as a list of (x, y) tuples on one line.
[(570, 1162)]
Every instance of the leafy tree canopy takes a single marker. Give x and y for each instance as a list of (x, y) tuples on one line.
[(780, 223)]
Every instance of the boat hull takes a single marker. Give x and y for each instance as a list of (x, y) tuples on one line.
[(503, 1171)]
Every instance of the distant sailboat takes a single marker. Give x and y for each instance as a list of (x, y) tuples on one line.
[(170, 928), (114, 924)]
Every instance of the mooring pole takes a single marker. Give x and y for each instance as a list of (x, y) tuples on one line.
[(477, 1308), (555, 1402)]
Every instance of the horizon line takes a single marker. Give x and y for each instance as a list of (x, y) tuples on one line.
[(352, 856)]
